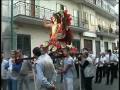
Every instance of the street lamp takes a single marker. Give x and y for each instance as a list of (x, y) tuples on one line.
[(11, 24)]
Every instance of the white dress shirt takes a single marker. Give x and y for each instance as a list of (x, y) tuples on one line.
[(111, 59), (100, 61)]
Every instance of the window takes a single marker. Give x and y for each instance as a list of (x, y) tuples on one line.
[(85, 17), (15, 1), (94, 1), (37, 8), (92, 19), (90, 1), (100, 21), (98, 3), (104, 5), (32, 8), (98, 50), (112, 11), (24, 43), (76, 43), (88, 44), (103, 23), (60, 7), (84, 20), (113, 46), (76, 18), (106, 46)]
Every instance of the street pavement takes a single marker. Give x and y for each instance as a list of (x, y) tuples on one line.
[(100, 86)]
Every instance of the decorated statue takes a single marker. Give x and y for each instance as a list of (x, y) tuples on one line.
[(61, 35)]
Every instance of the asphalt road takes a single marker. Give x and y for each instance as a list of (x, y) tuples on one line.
[(100, 86)]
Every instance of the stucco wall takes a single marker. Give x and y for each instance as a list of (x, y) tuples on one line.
[(38, 34)]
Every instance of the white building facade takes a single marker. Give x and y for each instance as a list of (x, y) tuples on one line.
[(91, 22)]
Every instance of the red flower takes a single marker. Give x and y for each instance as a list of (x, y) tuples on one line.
[(68, 16), (74, 50)]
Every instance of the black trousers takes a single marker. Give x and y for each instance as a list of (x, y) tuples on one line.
[(99, 74), (88, 83), (4, 84), (61, 79), (116, 70), (77, 69), (82, 79), (104, 70), (110, 74)]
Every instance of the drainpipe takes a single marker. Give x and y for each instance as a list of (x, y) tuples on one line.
[(11, 24), (33, 8)]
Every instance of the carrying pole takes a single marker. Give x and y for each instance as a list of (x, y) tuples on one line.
[(79, 76), (11, 24), (34, 79)]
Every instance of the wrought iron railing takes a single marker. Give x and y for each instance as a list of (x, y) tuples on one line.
[(39, 12), (103, 29), (100, 5), (79, 22), (24, 8)]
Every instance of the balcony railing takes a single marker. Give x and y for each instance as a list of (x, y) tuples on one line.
[(106, 31), (79, 22), (28, 9), (100, 5)]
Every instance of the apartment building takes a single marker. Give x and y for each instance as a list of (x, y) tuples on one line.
[(93, 23)]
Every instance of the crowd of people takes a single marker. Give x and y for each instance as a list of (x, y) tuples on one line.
[(107, 66), (46, 65), (15, 72)]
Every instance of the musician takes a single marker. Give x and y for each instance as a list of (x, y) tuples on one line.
[(44, 69), (116, 52), (99, 63), (4, 72), (24, 71), (92, 56), (12, 75), (111, 61)]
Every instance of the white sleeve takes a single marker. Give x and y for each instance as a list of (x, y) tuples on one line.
[(105, 59), (115, 58), (10, 65), (96, 60)]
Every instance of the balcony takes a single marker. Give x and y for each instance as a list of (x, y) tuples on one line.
[(79, 24), (30, 14), (106, 32), (34, 14), (113, 2), (98, 8)]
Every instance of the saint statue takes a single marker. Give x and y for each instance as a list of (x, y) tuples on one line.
[(60, 35)]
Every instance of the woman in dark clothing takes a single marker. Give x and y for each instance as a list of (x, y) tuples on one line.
[(87, 80)]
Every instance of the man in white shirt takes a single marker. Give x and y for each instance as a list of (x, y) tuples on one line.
[(99, 64), (111, 60), (12, 74), (24, 71), (4, 72), (44, 70), (116, 52), (92, 56)]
